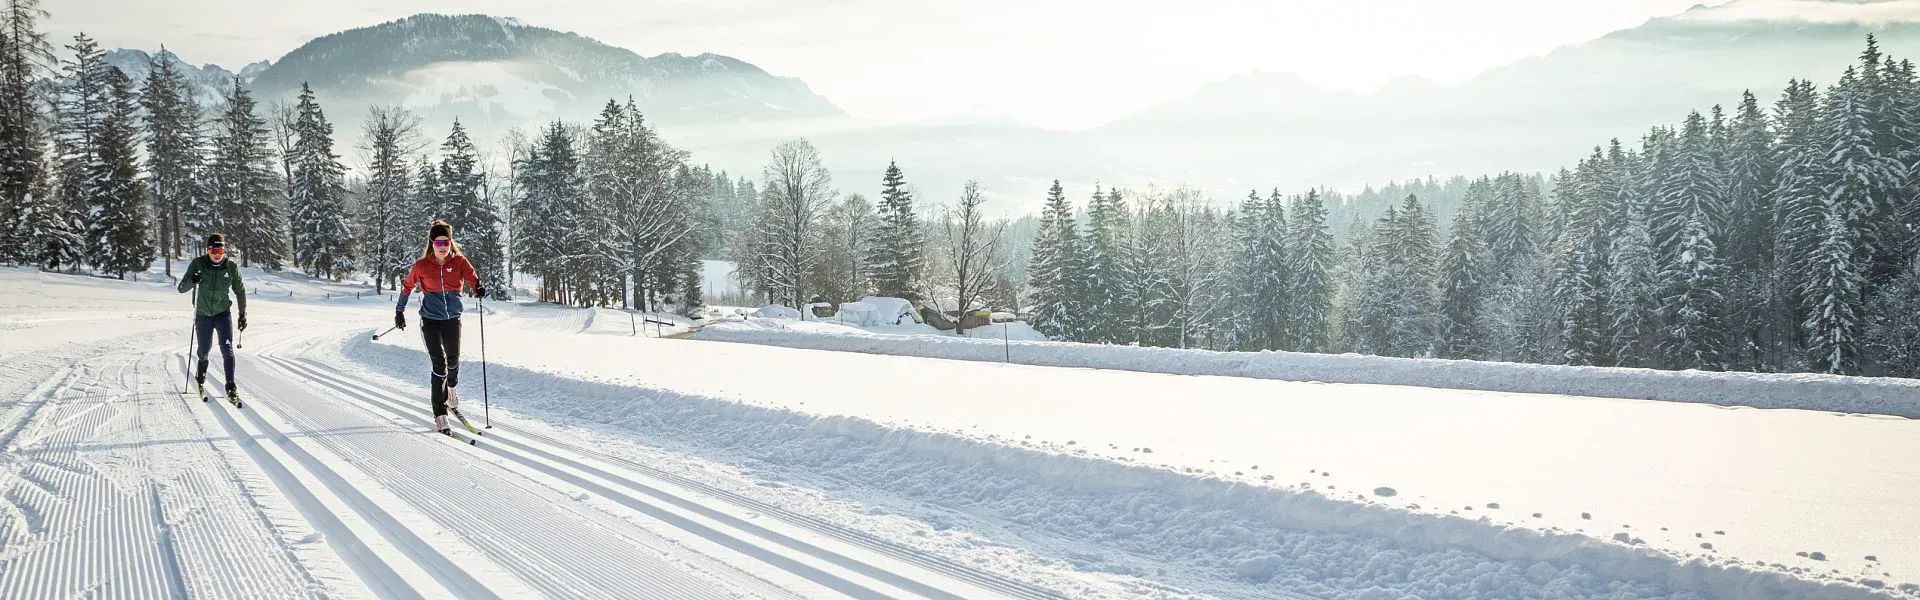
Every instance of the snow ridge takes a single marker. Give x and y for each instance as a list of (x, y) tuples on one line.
[(1806, 391)]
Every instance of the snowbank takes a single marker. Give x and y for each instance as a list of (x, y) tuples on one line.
[(775, 311), (1291, 539), (1807, 391), (892, 311)]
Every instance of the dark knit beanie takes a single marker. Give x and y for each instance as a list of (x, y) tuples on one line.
[(215, 240), (438, 229)]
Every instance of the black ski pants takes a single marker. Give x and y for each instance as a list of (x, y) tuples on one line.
[(443, 349)]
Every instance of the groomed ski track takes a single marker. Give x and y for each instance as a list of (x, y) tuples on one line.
[(331, 485)]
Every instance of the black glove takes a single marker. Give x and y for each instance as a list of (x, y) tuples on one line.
[(400, 319), (243, 321), (479, 291), (195, 278)]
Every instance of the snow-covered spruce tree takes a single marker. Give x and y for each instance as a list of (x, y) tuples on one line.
[(1799, 216), (316, 194), (1109, 297), (389, 232), (900, 244), (1579, 263), (23, 49), (1835, 323), (246, 196), (1509, 224), (1462, 290), (117, 237), (1365, 308), (1893, 333), (1751, 168), (1266, 283), (473, 217), (80, 107), (1052, 275), (1410, 251), (1688, 221), (1311, 262), (1633, 275), (427, 203), (173, 152)]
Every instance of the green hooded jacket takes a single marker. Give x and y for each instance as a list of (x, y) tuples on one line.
[(215, 280)]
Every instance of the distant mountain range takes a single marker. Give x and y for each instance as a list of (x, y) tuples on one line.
[(494, 73), (1257, 130)]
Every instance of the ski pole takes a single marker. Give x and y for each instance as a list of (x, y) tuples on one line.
[(188, 382), (486, 406), (389, 330)]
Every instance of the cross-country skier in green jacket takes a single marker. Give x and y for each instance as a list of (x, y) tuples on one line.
[(212, 276)]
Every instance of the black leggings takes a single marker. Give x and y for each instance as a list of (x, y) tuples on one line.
[(203, 329), (443, 349)]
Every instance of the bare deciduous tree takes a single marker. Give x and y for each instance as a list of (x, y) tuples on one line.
[(973, 251)]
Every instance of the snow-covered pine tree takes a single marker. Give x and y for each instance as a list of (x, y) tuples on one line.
[(1835, 323), (1854, 184), (1751, 168), (1365, 309), (1893, 333), (80, 107), (173, 152), (428, 202), (1054, 268), (1510, 222), (1311, 261), (1633, 275), (1409, 248), (1109, 297), (23, 49), (1267, 285), (1688, 221), (391, 234), (1462, 290), (474, 218), (247, 201), (117, 237), (316, 194), (1579, 264), (1799, 215), (900, 243)]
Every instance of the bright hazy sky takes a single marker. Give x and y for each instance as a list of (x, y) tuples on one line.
[(1059, 64)]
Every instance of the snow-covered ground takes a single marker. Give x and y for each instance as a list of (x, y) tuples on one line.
[(634, 466)]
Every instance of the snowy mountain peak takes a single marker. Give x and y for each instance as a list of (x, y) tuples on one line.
[(497, 72)]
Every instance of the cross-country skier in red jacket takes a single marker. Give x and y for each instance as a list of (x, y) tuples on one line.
[(441, 273)]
